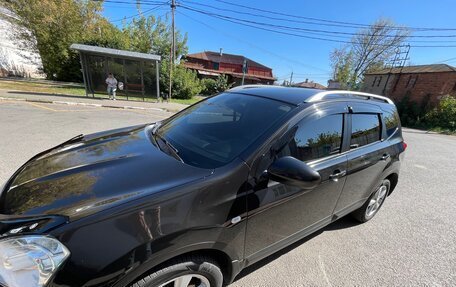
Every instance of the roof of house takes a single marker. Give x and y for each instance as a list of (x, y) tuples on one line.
[(418, 69), (308, 84), (114, 52), (225, 58), (211, 72)]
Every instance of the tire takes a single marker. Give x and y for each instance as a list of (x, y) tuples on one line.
[(374, 203), (198, 271)]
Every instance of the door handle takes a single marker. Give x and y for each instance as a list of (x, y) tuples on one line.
[(385, 156), (337, 174)]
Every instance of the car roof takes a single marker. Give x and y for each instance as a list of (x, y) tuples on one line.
[(297, 96), (290, 95)]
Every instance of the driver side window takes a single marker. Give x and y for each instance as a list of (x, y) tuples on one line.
[(314, 139)]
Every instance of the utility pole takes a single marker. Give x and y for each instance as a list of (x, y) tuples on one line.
[(393, 64), (244, 69), (173, 50), (291, 79), (403, 61)]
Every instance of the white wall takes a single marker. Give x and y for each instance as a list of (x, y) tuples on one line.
[(12, 55)]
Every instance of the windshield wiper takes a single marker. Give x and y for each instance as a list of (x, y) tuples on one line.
[(172, 150)]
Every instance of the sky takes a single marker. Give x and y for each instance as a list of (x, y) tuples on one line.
[(306, 58)]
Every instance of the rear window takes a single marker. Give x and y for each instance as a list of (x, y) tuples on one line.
[(391, 122), (365, 129)]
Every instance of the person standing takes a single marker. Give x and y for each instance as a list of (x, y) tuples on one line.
[(112, 86)]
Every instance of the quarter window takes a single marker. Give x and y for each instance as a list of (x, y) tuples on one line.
[(365, 129), (316, 139), (391, 122)]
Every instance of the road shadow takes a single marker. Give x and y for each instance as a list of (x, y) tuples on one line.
[(55, 95), (343, 223), (416, 131)]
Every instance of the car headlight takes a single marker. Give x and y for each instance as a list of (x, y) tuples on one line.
[(30, 260)]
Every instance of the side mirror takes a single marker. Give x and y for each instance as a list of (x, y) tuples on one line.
[(292, 171)]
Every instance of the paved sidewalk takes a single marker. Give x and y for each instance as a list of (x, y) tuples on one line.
[(86, 101)]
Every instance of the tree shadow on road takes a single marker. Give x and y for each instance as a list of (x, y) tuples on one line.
[(343, 223), (53, 95)]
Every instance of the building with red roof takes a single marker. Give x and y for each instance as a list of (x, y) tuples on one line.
[(212, 64)]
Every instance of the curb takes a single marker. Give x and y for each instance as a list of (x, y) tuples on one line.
[(84, 104)]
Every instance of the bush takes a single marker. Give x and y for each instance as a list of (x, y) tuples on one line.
[(214, 86), (412, 113), (209, 87), (444, 115), (185, 83)]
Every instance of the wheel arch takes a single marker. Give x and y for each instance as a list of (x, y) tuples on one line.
[(393, 178), (227, 266)]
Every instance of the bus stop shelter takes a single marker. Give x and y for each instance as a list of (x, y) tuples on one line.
[(138, 73)]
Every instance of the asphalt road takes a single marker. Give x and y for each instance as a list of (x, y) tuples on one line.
[(410, 242)]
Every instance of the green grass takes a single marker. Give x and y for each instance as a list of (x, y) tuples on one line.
[(436, 129), (191, 101), (443, 131), (42, 88), (66, 89)]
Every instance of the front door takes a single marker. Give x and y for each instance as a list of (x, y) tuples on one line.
[(280, 214)]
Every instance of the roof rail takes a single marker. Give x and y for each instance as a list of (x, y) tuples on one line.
[(349, 94), (244, 87)]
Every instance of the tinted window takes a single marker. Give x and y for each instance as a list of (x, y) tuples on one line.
[(215, 131), (365, 129), (316, 139), (391, 122)]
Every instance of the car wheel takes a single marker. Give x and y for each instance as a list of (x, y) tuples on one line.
[(188, 271), (373, 204)]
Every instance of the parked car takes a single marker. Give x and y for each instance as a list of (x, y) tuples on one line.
[(194, 199)]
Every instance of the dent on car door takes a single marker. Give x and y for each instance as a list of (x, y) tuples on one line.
[(280, 213), (367, 158)]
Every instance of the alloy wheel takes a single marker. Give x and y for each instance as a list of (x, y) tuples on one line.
[(376, 201), (188, 280)]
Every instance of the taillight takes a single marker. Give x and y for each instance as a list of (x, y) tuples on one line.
[(404, 145)]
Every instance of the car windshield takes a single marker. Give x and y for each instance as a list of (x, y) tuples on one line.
[(215, 131)]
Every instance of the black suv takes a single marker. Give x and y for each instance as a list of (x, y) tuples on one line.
[(194, 199)]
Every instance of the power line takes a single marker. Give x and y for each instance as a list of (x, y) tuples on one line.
[(141, 2), (251, 44), (303, 22), (307, 30), (255, 24), (139, 14), (236, 21), (447, 60), (270, 17), (332, 21)]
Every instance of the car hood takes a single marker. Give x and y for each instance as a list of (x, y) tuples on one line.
[(92, 173)]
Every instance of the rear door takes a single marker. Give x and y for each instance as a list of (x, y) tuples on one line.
[(279, 214), (367, 156)]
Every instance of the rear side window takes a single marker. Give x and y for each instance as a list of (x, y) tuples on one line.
[(316, 138), (391, 122), (365, 129)]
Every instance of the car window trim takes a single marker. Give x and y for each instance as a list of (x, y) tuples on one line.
[(301, 112), (381, 126)]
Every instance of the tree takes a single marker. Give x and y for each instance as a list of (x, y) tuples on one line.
[(185, 82), (341, 62), (50, 27), (370, 49), (153, 35), (444, 115)]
